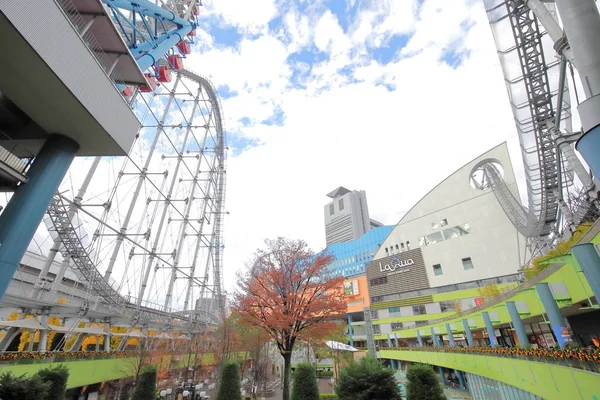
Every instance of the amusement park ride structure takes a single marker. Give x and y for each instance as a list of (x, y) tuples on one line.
[(536, 56), (156, 225)]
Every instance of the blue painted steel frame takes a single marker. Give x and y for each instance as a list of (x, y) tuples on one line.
[(155, 42)]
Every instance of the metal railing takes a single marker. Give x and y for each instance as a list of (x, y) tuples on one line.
[(8, 157), (83, 29)]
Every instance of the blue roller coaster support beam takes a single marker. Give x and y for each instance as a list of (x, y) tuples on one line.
[(147, 60), (147, 9), (155, 45), (26, 208)]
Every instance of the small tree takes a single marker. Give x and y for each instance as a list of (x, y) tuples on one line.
[(305, 383), (489, 291), (146, 384), (287, 293), (56, 378), (229, 387), (22, 388), (423, 383), (367, 380)]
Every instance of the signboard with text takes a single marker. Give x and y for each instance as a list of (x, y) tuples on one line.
[(402, 272)]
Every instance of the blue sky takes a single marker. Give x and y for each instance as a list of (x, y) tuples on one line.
[(387, 96)]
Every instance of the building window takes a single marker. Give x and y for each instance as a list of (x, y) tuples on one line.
[(394, 310), (331, 209), (341, 204), (386, 250), (376, 330), (467, 263), (457, 231), (396, 326), (374, 314), (419, 309), (421, 323), (379, 281), (376, 299), (447, 306), (407, 245), (402, 246), (437, 270), (397, 248)]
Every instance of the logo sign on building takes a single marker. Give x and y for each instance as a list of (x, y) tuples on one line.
[(395, 265), (351, 288), (402, 272)]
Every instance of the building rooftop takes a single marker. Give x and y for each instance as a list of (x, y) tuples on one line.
[(340, 191)]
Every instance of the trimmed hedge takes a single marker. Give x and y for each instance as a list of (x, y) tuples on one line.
[(328, 396)]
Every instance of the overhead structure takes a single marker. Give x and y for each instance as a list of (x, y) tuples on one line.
[(144, 233), (534, 57)]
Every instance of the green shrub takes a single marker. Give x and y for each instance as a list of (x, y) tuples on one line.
[(146, 385), (423, 383), (305, 383), (22, 388), (229, 387), (367, 380), (326, 396), (56, 377)]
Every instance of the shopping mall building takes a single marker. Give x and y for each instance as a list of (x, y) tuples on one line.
[(454, 241)]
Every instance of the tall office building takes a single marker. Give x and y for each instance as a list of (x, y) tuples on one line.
[(347, 216)]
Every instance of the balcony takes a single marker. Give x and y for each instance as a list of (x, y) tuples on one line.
[(58, 77)]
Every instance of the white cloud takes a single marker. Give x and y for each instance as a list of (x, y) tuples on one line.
[(249, 16)]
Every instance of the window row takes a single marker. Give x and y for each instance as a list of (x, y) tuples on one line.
[(396, 326), (395, 249), (466, 262), (378, 281), (332, 206), (475, 284), (446, 234)]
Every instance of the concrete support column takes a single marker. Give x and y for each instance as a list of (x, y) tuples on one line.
[(31, 340), (589, 261), (557, 321), (27, 207), (468, 333), (450, 337), (517, 323), (461, 379), (390, 345), (419, 338), (350, 332), (434, 338), (107, 338), (489, 328), (43, 334), (442, 377)]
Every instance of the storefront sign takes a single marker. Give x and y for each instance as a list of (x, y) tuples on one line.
[(351, 288), (395, 264)]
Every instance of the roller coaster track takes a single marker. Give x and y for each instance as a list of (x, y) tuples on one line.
[(534, 117), (60, 214)]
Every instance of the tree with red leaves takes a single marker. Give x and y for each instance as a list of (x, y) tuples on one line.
[(287, 293)]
